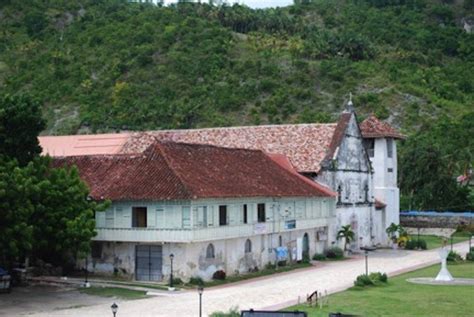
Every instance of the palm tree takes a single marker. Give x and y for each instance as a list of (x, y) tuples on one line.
[(346, 233)]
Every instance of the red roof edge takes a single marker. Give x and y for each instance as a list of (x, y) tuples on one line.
[(283, 161)]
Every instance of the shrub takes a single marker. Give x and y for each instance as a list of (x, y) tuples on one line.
[(373, 279), (453, 256), (415, 244), (219, 275), (377, 277), (177, 281), (196, 280), (411, 245), (363, 280), (319, 257), (470, 256), (422, 244), (334, 253), (233, 312)]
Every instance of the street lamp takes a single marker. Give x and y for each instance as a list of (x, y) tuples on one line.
[(171, 274), (200, 291), (114, 308)]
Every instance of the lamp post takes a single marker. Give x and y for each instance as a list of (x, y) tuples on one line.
[(171, 274), (86, 281), (114, 308), (366, 253), (200, 291)]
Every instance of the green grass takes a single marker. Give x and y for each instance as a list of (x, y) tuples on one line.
[(401, 298), (433, 242), (117, 292), (264, 272)]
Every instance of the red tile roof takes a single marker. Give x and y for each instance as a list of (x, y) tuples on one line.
[(372, 127), (174, 171)]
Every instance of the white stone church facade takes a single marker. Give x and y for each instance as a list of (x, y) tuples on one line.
[(231, 214)]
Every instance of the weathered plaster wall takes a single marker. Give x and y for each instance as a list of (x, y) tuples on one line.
[(190, 258)]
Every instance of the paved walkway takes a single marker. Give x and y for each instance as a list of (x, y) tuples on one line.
[(274, 292)]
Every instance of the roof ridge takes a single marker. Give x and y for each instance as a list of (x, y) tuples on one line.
[(168, 162), (244, 127)]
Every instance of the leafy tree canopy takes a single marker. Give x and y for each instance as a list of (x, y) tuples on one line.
[(20, 124), (112, 65)]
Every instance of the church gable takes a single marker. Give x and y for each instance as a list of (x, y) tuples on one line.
[(351, 153)]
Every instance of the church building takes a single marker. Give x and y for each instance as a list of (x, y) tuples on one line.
[(226, 198)]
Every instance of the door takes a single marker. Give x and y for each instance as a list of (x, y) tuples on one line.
[(306, 246), (148, 263)]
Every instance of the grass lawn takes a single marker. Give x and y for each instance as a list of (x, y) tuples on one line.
[(401, 298), (433, 242), (117, 292)]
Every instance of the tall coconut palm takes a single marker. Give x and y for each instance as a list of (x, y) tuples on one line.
[(346, 233)]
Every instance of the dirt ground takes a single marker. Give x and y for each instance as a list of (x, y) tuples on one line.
[(35, 299)]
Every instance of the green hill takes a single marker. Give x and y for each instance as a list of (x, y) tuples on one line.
[(112, 65)]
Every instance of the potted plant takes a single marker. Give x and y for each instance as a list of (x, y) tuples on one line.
[(348, 235)]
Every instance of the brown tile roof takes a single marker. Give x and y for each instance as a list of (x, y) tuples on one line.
[(174, 171), (372, 127), (305, 145)]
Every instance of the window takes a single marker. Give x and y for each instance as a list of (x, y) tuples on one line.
[(280, 241), (186, 212), (248, 246), (202, 216), (210, 253), (369, 146), (261, 212), (390, 148), (244, 215), (222, 215), (390, 170), (139, 217)]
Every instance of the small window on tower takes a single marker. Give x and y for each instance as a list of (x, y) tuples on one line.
[(390, 148)]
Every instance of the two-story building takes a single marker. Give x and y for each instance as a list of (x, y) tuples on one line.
[(356, 161), (213, 208)]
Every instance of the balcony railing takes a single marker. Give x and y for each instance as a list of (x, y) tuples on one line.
[(204, 234)]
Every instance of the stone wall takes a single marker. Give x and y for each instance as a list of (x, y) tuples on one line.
[(435, 221)]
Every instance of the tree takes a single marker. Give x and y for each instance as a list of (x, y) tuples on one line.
[(20, 125), (346, 233), (44, 211), (16, 208), (430, 162), (63, 216)]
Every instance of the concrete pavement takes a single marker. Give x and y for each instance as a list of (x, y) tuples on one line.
[(275, 292)]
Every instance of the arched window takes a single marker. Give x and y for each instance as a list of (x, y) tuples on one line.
[(210, 251), (248, 246), (280, 241)]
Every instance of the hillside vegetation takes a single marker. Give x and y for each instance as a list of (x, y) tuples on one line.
[(112, 65)]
